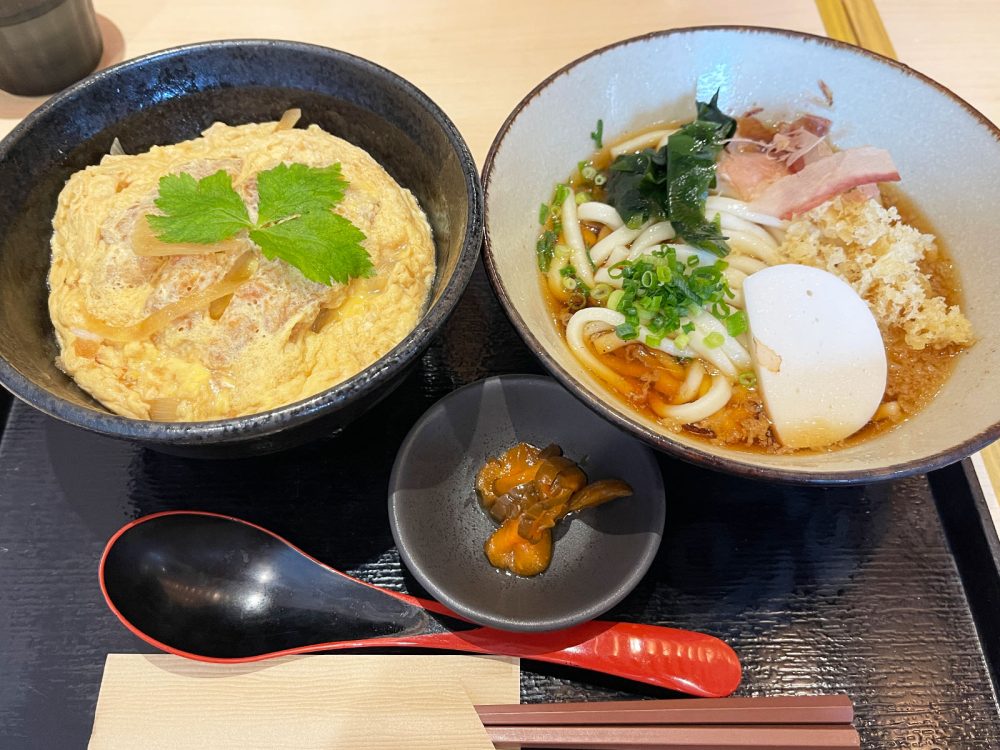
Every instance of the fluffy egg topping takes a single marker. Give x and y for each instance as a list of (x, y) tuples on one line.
[(224, 333)]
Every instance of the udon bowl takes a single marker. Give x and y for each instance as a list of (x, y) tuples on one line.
[(947, 153), (171, 96)]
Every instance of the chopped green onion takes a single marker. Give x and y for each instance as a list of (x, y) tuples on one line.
[(545, 248), (614, 300), (720, 310), (693, 261), (737, 323), (714, 340), (583, 198), (653, 341), (588, 173), (660, 292), (747, 379), (598, 135), (560, 196), (599, 179), (626, 331), (569, 283), (601, 292), (543, 214), (682, 340)]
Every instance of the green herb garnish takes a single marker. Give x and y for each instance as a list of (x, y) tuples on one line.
[(672, 183), (597, 136), (202, 211), (295, 221)]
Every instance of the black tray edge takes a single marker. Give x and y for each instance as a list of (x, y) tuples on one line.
[(975, 546)]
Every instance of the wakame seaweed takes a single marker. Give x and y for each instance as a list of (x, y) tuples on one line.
[(672, 183)]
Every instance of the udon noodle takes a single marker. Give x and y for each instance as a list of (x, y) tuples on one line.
[(654, 305)]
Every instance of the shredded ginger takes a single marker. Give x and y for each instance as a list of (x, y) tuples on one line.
[(871, 248)]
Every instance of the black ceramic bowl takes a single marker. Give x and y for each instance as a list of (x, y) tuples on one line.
[(599, 555), (172, 96)]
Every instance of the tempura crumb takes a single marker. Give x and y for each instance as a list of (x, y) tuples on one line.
[(870, 247)]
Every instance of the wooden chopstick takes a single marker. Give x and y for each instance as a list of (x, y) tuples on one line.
[(856, 22), (784, 723), (689, 737), (808, 709)]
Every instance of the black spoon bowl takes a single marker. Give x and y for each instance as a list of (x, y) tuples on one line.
[(215, 588)]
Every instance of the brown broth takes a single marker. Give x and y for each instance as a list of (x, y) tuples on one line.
[(914, 376)]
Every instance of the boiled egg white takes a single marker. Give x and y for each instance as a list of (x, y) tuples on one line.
[(817, 352)]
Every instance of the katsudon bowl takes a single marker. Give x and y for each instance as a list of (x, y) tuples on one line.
[(947, 154), (172, 96)]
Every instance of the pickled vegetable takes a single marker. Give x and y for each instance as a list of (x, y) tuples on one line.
[(528, 490)]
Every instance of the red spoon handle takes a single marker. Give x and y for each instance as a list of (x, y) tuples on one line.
[(692, 663)]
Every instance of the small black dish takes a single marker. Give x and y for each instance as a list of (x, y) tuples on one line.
[(599, 555), (172, 96)]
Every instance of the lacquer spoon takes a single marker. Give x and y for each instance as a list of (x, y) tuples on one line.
[(218, 589)]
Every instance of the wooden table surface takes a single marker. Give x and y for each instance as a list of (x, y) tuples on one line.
[(477, 60)]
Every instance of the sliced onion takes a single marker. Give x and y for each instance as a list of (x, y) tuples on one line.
[(324, 316), (218, 306), (241, 270), (146, 244), (288, 119), (163, 409)]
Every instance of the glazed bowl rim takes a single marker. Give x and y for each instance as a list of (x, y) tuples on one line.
[(371, 378), (696, 454)]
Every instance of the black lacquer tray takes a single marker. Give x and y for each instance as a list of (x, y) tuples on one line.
[(865, 590)]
